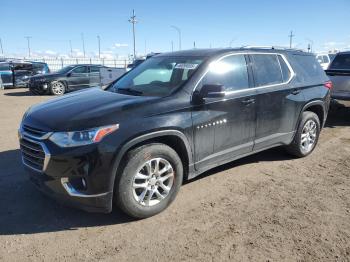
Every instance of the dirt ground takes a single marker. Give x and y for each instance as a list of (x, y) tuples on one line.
[(267, 207)]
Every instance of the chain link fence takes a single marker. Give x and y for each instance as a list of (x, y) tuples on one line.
[(57, 63)]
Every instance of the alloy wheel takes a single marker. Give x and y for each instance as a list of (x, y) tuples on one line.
[(57, 88), (153, 182), (308, 136)]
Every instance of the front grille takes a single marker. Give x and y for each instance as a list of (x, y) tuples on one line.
[(33, 154), (35, 132)]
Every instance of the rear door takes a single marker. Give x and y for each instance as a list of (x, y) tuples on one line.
[(94, 74), (79, 78), (277, 101), (225, 127)]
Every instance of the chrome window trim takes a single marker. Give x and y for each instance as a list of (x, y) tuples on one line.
[(292, 75)]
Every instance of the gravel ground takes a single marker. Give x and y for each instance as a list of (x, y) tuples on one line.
[(266, 207)]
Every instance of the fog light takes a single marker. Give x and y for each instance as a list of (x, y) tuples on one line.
[(45, 86)]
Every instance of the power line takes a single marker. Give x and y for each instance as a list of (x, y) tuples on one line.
[(291, 39), (28, 43), (133, 21)]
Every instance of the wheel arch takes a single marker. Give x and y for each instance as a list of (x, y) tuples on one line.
[(318, 108), (173, 138)]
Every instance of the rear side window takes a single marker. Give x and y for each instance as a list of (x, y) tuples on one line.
[(267, 70), (231, 72), (94, 69), (341, 61), (309, 65)]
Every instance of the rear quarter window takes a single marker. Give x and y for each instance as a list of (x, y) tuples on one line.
[(307, 68)]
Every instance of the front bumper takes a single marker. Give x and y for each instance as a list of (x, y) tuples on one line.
[(77, 177), (38, 87)]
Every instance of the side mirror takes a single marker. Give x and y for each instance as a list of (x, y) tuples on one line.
[(69, 74), (212, 91), (208, 91)]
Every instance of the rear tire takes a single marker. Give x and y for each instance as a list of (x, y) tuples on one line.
[(150, 180), (306, 137)]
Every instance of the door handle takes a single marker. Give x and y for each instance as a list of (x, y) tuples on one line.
[(295, 91), (248, 101)]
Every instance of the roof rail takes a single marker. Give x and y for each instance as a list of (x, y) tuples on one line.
[(272, 47)]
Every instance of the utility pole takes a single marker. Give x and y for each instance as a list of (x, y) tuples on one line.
[(99, 46), (71, 49), (291, 39), (133, 21), (2, 50), (310, 44), (172, 46), (28, 43), (83, 40), (145, 47), (194, 44), (179, 32)]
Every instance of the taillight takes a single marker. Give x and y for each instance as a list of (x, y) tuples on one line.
[(328, 84)]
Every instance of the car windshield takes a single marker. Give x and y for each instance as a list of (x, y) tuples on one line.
[(4, 67), (157, 76), (341, 61), (65, 70)]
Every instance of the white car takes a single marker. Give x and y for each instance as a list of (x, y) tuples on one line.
[(325, 59)]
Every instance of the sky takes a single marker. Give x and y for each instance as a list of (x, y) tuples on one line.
[(52, 25)]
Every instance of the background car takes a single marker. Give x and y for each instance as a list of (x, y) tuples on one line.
[(339, 74), (325, 59), (17, 73), (69, 78)]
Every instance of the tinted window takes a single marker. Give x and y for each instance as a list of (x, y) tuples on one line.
[(231, 72), (267, 70), (285, 70), (80, 70), (94, 69), (325, 59), (309, 65), (341, 61), (4, 67), (319, 59)]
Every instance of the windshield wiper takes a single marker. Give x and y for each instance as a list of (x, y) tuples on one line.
[(130, 91)]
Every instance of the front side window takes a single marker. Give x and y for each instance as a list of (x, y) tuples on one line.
[(325, 59), (230, 72), (80, 70), (94, 69), (157, 76), (341, 61), (267, 70), (5, 67)]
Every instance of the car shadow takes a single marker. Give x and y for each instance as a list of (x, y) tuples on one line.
[(339, 114), (20, 93), (25, 210)]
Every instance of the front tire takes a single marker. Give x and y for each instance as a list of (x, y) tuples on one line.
[(57, 88), (306, 137), (149, 181)]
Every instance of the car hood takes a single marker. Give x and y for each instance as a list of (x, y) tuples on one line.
[(85, 109), (45, 76)]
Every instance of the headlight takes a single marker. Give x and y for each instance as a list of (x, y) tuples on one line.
[(80, 138)]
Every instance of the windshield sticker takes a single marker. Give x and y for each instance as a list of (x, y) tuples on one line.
[(186, 66)]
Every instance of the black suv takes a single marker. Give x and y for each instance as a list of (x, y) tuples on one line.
[(170, 119), (69, 78)]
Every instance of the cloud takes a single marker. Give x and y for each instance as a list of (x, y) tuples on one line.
[(117, 45)]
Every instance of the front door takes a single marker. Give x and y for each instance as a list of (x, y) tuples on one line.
[(95, 79), (78, 78), (225, 127)]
